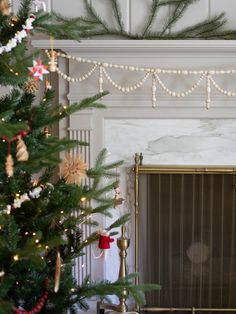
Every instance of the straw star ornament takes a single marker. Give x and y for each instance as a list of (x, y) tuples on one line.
[(73, 169)]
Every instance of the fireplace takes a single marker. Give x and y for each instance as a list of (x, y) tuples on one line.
[(179, 131), (185, 237)]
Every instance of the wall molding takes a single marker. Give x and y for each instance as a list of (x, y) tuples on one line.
[(148, 46)]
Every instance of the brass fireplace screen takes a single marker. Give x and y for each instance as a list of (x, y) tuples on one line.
[(186, 236)]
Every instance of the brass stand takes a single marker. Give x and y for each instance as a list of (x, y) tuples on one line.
[(123, 244)]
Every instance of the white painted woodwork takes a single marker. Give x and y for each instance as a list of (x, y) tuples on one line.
[(196, 13), (70, 8), (227, 6)]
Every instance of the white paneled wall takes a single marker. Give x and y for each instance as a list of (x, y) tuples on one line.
[(228, 6), (135, 12), (139, 12), (197, 12)]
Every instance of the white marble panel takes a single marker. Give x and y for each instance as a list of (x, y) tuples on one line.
[(172, 141)]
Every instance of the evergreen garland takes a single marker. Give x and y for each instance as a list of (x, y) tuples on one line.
[(210, 28)]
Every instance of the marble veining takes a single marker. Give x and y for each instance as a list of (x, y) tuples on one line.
[(172, 141)]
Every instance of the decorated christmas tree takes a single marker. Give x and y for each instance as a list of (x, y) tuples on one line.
[(41, 220)]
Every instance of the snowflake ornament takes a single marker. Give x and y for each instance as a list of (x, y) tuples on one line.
[(38, 69)]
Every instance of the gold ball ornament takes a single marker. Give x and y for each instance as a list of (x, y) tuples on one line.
[(73, 169), (9, 164), (4, 7), (31, 86), (13, 20), (21, 150)]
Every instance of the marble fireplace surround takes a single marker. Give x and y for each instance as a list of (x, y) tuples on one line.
[(178, 131)]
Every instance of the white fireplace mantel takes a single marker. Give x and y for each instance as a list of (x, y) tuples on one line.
[(130, 124), (140, 46)]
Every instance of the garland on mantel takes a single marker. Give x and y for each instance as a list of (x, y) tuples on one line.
[(210, 28), (154, 73)]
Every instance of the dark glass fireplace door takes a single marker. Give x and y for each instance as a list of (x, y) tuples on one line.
[(187, 239)]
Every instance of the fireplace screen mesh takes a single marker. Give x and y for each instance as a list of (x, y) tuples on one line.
[(187, 237)]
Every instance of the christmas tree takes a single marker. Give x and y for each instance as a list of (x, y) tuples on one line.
[(40, 234)]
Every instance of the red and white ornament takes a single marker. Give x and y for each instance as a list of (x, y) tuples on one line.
[(19, 36), (103, 244), (38, 69)]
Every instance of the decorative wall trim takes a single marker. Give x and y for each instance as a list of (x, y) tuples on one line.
[(147, 46)]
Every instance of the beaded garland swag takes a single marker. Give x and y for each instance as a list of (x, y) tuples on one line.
[(149, 72)]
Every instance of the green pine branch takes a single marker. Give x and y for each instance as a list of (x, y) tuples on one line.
[(118, 15), (153, 11), (180, 8), (211, 28), (94, 16), (90, 289)]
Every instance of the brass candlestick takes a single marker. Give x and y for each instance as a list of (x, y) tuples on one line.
[(123, 245)]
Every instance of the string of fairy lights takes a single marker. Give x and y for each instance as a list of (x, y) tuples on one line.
[(101, 69), (35, 193)]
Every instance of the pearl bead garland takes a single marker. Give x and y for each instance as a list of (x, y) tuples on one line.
[(76, 79), (155, 74), (125, 89), (221, 90), (154, 88), (179, 94), (100, 79), (208, 88)]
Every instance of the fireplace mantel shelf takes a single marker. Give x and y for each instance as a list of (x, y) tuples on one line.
[(145, 46)]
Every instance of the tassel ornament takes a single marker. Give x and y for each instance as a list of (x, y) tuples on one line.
[(57, 273), (21, 150), (9, 165), (4, 7)]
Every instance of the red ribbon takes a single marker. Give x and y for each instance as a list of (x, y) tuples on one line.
[(38, 307)]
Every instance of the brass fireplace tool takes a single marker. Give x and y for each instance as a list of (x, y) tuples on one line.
[(123, 244)]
